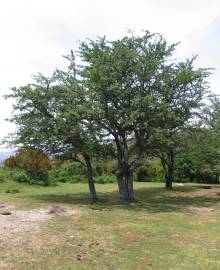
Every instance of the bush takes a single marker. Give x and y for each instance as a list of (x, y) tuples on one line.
[(68, 172), (10, 162), (105, 179), (3, 175), (35, 163), (75, 172), (104, 168), (78, 178), (74, 168), (142, 174), (63, 176), (55, 163), (151, 171), (190, 169), (58, 175), (21, 176)]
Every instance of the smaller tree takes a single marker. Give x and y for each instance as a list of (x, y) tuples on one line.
[(199, 159), (184, 88), (52, 116)]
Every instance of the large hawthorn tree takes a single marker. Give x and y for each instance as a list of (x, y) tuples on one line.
[(137, 90), (124, 92)]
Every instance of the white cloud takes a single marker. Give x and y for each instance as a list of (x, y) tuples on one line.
[(35, 34)]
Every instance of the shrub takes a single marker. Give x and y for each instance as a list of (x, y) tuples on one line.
[(3, 175), (142, 174), (53, 177), (104, 168), (55, 163), (68, 172), (151, 171), (10, 162), (104, 179), (35, 163), (20, 176), (75, 172), (58, 175), (63, 176), (78, 178), (74, 168)]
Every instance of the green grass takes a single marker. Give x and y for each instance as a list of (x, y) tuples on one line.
[(153, 232)]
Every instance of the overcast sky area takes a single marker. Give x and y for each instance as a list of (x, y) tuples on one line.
[(35, 34)]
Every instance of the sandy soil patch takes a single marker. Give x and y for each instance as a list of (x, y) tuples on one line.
[(199, 210), (17, 222)]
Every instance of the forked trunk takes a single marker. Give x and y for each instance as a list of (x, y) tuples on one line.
[(125, 185)]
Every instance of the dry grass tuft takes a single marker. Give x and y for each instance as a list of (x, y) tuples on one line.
[(199, 210)]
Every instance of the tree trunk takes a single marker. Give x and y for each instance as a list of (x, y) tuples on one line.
[(125, 185), (91, 184), (120, 184), (167, 162), (130, 185), (124, 173), (169, 179), (217, 178), (169, 176)]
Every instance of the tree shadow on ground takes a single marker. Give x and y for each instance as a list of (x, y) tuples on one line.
[(153, 200)]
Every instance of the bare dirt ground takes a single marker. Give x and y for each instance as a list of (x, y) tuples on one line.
[(21, 229), (199, 210), (17, 223)]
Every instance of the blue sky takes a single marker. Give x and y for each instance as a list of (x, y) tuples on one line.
[(35, 34)]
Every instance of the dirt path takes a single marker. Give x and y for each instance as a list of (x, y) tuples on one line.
[(21, 230), (16, 224)]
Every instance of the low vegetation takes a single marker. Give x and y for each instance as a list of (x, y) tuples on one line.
[(159, 230)]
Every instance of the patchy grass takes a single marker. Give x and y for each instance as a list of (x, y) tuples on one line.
[(157, 231)]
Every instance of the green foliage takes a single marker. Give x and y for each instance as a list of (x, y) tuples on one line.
[(105, 167), (12, 190), (20, 176), (63, 176), (151, 171), (68, 172), (127, 100), (57, 175), (35, 163), (55, 163), (143, 174), (78, 178), (74, 168), (3, 175), (199, 159), (141, 97), (75, 172), (105, 179)]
